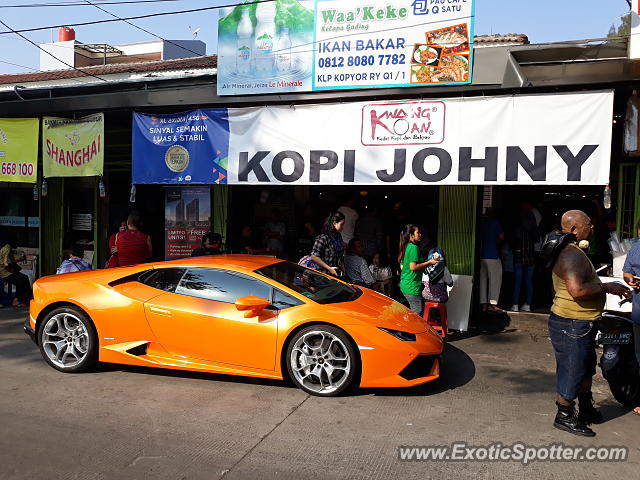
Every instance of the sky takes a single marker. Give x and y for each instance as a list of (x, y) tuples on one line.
[(542, 20)]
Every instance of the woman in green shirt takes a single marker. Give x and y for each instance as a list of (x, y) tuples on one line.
[(412, 264)]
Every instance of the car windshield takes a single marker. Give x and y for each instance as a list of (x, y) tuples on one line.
[(319, 288)]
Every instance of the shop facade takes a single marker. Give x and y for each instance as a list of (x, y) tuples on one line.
[(455, 205)]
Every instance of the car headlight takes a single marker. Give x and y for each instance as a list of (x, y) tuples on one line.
[(399, 334)]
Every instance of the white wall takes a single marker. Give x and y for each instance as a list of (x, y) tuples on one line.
[(62, 50)]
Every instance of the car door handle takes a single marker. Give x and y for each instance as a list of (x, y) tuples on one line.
[(160, 311)]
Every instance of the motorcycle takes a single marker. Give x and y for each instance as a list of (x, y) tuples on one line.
[(618, 361)]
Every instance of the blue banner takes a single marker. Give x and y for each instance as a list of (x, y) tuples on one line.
[(181, 148)]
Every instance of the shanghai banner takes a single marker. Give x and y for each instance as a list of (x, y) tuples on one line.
[(73, 147), (182, 148), (187, 219), (545, 139), (297, 46), (19, 149)]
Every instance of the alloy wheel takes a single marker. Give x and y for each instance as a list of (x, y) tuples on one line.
[(320, 362), (65, 340)]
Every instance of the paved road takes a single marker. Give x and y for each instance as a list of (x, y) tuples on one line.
[(133, 423)]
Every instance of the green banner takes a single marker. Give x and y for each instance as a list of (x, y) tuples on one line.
[(18, 150), (73, 147)]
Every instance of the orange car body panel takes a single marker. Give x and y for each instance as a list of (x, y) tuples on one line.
[(190, 333)]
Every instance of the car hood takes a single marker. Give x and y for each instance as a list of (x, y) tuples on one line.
[(381, 311)]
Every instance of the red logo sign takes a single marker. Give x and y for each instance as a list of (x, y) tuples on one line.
[(415, 123)]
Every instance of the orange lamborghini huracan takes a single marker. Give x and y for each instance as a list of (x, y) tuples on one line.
[(237, 315)]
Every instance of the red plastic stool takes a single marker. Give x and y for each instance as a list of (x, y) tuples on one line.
[(435, 313)]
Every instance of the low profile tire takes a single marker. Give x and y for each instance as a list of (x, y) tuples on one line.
[(322, 361), (68, 340)]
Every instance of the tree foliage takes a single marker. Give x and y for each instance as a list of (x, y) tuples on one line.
[(623, 30)]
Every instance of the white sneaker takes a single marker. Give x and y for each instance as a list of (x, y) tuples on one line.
[(526, 308), (514, 308)]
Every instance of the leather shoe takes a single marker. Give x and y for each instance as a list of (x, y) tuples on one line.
[(587, 412), (568, 421)]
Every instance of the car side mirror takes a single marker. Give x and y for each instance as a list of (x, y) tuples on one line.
[(251, 306)]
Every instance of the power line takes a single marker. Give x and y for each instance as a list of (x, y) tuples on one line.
[(18, 65), (76, 4), (197, 54), (142, 56), (51, 54), (138, 17), (275, 51)]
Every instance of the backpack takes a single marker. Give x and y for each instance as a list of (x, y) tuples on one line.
[(435, 272), (306, 261), (553, 244)]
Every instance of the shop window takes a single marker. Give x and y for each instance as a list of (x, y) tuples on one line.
[(632, 126), (19, 215)]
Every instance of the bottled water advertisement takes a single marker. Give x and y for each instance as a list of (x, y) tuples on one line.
[(285, 46), (266, 47)]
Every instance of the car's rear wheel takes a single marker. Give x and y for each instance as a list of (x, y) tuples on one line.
[(68, 341), (322, 361)]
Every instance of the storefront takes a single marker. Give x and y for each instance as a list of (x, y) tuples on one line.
[(449, 205)]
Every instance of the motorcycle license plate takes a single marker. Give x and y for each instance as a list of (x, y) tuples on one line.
[(615, 338)]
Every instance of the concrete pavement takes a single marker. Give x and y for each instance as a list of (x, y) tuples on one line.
[(133, 423)]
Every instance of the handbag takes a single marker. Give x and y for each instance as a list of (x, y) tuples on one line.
[(113, 255), (307, 262)]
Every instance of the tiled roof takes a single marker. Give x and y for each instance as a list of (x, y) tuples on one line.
[(208, 61), (502, 38)]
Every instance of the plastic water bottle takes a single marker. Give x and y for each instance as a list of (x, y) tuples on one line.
[(102, 191), (224, 11), (606, 200), (283, 51), (265, 37), (44, 187), (244, 52)]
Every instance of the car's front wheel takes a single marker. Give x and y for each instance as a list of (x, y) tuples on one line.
[(322, 361), (68, 341)]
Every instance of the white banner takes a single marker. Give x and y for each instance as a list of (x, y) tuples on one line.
[(548, 139)]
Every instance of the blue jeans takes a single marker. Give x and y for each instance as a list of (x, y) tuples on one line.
[(521, 271), (415, 303), (574, 345)]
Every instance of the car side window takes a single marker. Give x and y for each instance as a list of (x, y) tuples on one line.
[(221, 286), (282, 300), (166, 279)]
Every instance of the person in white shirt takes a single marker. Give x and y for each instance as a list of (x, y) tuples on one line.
[(350, 218), (379, 269)]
